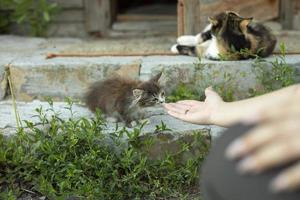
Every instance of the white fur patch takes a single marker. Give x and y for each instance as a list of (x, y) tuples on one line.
[(212, 52), (207, 28), (190, 40), (205, 44), (174, 49), (187, 40), (199, 38), (161, 98)]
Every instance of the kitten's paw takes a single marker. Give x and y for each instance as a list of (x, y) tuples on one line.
[(187, 40), (174, 49)]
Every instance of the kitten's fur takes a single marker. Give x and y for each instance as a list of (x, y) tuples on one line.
[(123, 98), (226, 35)]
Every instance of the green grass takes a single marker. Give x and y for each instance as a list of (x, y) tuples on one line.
[(182, 92), (60, 158), (279, 75)]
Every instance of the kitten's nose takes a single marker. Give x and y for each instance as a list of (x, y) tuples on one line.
[(162, 101)]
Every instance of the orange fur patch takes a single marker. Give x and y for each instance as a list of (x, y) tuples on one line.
[(250, 37)]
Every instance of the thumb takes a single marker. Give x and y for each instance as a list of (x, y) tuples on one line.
[(211, 94)]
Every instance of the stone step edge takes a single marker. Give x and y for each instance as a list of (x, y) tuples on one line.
[(156, 115), (136, 67)]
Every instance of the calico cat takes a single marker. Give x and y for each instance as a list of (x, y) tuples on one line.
[(228, 35), (123, 98)]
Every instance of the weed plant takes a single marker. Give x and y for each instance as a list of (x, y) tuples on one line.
[(36, 14), (75, 159)]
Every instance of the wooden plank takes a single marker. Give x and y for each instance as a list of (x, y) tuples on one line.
[(70, 15), (191, 17), (296, 24), (98, 18), (180, 18), (69, 29), (70, 3), (286, 14), (136, 17)]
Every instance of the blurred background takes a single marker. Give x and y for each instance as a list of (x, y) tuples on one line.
[(135, 18)]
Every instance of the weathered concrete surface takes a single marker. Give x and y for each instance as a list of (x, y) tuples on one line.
[(26, 111), (3, 81), (124, 45), (5, 58), (156, 142), (35, 78), (241, 77)]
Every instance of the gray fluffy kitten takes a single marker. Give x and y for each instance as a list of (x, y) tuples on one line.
[(124, 98)]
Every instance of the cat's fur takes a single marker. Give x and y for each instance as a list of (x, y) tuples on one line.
[(227, 35), (124, 98)]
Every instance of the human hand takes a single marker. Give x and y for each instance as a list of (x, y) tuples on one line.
[(273, 142), (196, 112)]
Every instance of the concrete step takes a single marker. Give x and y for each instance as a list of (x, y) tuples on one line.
[(163, 141), (34, 77), (27, 111)]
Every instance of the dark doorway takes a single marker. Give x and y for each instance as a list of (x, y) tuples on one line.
[(145, 18)]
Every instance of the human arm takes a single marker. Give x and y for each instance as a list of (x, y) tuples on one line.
[(215, 111)]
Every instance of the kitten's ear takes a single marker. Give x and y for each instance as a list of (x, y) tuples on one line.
[(213, 21), (137, 93), (156, 77)]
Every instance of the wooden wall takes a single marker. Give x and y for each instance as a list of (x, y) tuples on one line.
[(296, 18), (70, 21), (196, 12), (81, 18)]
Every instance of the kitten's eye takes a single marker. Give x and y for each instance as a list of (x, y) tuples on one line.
[(155, 99), (163, 94)]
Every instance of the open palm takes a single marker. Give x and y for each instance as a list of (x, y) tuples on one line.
[(197, 112)]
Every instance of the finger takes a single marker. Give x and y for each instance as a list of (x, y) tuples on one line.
[(182, 109), (181, 106), (261, 135), (287, 180), (189, 102), (211, 94), (272, 155), (178, 115), (209, 89)]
